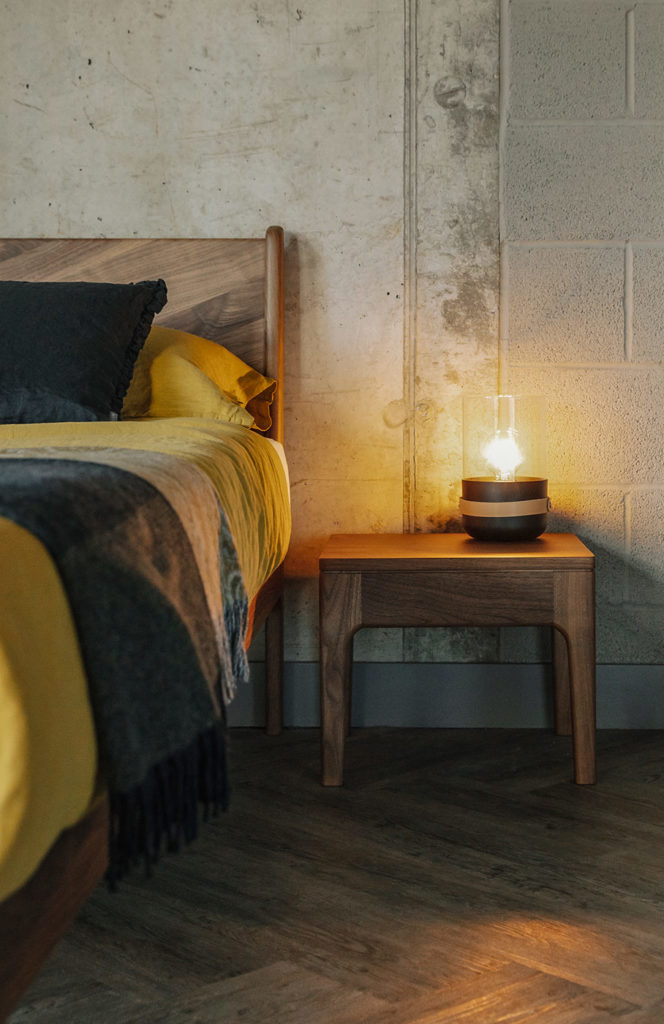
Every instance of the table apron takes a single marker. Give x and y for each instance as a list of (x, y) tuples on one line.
[(452, 598)]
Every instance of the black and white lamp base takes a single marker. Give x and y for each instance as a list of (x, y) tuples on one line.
[(504, 510)]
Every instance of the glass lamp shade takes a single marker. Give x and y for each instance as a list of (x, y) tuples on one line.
[(504, 486)]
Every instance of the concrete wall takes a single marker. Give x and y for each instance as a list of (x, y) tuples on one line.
[(201, 118), (371, 132)]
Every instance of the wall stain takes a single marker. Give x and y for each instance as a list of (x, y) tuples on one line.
[(449, 91), (474, 221), (471, 312), (444, 524), (474, 128)]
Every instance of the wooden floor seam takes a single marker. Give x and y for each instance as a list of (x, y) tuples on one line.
[(457, 876)]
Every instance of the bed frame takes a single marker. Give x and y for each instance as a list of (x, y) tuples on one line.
[(232, 291)]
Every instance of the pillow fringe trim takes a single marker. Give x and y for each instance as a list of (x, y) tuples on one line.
[(138, 339)]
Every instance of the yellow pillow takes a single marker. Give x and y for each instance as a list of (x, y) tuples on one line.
[(179, 388), (238, 382), (137, 400)]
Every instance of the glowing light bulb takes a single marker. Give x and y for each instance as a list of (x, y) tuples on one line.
[(503, 455)]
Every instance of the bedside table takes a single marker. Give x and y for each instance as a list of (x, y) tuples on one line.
[(449, 579)]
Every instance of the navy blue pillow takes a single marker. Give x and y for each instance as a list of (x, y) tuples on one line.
[(67, 350)]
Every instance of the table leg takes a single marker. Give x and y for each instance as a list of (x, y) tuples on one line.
[(274, 670), (340, 618), (562, 705), (574, 614)]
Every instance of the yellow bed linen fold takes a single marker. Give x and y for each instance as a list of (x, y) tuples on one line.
[(48, 753), (47, 745)]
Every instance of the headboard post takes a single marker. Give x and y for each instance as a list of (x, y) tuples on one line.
[(274, 323)]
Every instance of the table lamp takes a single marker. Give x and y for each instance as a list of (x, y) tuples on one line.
[(504, 486)]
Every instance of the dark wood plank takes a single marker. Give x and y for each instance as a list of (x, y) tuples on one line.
[(460, 877), (281, 993)]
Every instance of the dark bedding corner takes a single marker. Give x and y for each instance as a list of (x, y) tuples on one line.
[(155, 668), (67, 349)]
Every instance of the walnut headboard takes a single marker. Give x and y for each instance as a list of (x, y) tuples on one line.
[(230, 290)]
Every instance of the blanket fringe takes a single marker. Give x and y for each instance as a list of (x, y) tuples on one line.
[(164, 808), (236, 618)]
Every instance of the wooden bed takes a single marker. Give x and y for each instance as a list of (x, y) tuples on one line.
[(228, 290)]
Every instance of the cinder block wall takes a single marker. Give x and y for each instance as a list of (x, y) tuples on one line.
[(582, 284)]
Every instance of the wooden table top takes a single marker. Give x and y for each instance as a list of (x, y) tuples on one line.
[(398, 552)]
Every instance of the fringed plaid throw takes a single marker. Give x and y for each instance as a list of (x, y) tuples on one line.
[(155, 668)]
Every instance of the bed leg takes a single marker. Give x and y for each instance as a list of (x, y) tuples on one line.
[(274, 670)]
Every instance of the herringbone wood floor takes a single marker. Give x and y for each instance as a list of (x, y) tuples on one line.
[(458, 876)]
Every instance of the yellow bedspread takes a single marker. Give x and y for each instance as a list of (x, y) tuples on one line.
[(48, 759)]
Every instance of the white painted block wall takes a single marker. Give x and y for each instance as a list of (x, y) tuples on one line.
[(582, 231)]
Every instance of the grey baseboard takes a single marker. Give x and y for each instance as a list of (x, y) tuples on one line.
[(458, 696)]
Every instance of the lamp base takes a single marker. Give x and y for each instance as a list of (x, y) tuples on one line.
[(504, 510)]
